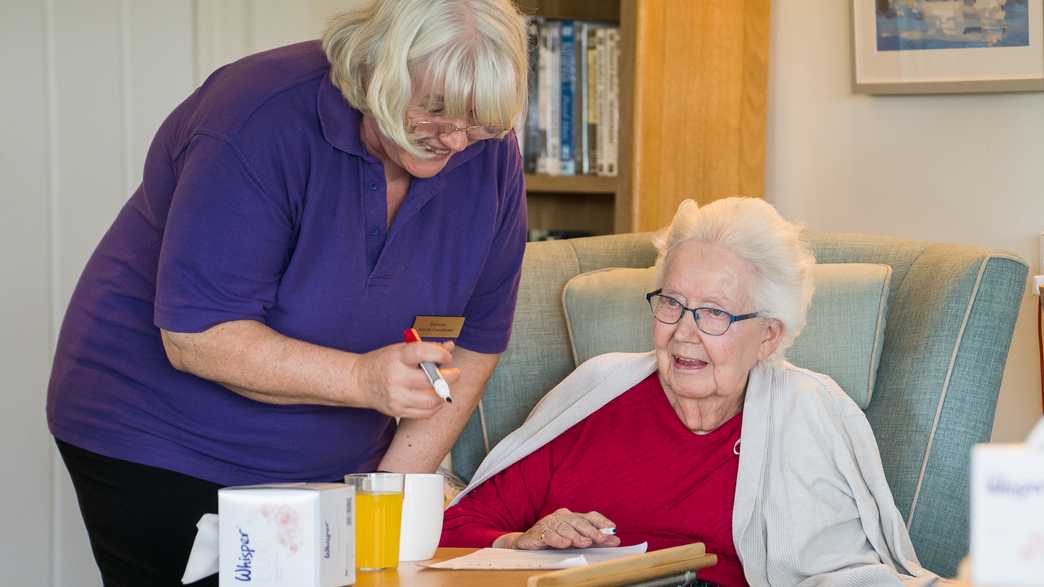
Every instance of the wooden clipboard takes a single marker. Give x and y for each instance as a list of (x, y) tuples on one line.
[(630, 569)]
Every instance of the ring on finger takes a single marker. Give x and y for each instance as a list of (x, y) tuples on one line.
[(543, 533)]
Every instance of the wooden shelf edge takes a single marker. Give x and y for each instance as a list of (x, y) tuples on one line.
[(571, 184), (571, 9)]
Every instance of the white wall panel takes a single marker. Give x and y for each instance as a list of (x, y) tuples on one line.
[(223, 33), (230, 29), (160, 59), (89, 130), (89, 168), (25, 339), (86, 84)]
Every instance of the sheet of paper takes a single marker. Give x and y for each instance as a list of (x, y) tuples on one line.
[(509, 558)]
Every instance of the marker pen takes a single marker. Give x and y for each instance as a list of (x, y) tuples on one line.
[(429, 368)]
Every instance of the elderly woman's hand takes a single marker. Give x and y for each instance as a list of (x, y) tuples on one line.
[(392, 382), (564, 529)]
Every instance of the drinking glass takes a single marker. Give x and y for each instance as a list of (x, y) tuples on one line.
[(378, 517)]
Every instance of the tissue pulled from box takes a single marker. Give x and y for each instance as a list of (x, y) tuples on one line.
[(268, 535), (203, 560)]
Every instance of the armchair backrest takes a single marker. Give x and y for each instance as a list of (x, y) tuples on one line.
[(951, 313)]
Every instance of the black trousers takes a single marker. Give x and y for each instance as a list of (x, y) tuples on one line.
[(141, 520)]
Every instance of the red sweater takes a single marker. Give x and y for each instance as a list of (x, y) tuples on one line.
[(633, 461)]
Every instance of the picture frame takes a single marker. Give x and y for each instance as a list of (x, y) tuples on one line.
[(947, 46)]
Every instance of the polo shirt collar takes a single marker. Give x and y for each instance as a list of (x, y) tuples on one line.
[(341, 125), (339, 121)]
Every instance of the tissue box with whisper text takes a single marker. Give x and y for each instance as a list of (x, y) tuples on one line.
[(288, 534), (1007, 515)]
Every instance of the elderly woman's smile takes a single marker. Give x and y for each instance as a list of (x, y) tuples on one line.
[(681, 362), (704, 375)]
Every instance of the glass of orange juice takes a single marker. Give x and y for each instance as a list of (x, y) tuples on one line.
[(378, 517)]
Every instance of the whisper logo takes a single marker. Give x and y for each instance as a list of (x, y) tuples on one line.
[(326, 540), (999, 485), (245, 561)]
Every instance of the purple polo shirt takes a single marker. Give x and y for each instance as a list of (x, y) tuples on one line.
[(260, 202)]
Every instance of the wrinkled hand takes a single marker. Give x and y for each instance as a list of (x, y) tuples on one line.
[(392, 382), (566, 529)]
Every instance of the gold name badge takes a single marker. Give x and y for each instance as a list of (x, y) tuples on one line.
[(438, 326)]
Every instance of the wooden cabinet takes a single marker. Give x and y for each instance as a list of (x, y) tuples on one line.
[(693, 87)]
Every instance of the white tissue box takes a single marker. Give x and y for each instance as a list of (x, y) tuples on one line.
[(287, 534), (1007, 515)]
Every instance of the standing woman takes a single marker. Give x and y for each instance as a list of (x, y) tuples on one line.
[(241, 321)]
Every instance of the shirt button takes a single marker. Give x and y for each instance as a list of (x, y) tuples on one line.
[(373, 187), (375, 230)]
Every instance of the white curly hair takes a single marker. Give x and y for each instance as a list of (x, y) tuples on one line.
[(754, 231)]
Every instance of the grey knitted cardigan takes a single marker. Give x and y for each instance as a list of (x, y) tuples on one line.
[(812, 505)]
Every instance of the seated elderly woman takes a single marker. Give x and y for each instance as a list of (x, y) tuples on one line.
[(712, 437)]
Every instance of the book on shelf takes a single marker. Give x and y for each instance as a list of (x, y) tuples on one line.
[(612, 98), (572, 119), (591, 117), (567, 82), (534, 140), (602, 85), (549, 98)]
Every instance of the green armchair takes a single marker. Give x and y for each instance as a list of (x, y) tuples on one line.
[(950, 315)]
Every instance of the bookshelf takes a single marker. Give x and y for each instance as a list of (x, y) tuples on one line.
[(693, 86)]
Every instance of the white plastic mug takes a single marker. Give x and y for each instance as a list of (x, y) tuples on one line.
[(421, 516)]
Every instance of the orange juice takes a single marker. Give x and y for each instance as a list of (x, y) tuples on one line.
[(378, 517)]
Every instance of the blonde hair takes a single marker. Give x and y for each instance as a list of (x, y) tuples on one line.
[(472, 51), (754, 231)]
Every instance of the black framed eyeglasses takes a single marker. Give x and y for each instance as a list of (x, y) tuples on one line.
[(712, 321)]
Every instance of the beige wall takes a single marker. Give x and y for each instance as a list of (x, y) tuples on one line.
[(966, 169)]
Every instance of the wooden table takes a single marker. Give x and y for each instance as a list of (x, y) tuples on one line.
[(415, 576), (411, 575)]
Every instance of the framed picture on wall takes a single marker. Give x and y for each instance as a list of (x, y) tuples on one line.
[(947, 46)]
